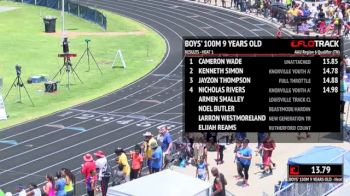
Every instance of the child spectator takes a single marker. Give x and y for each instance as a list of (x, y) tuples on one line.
[(49, 188), (119, 176), (136, 162), (91, 183), (60, 183), (202, 171)]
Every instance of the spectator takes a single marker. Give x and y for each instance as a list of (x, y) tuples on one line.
[(60, 183), (156, 157), (119, 176), (244, 156), (337, 23), (321, 15), (91, 183), (88, 167), (136, 162), (219, 183), (34, 190), (223, 2), (202, 171), (123, 160), (343, 89), (306, 11), (8, 194), (2, 192), (279, 33), (166, 144), (268, 146), (49, 188), (198, 151), (147, 149), (346, 29), (69, 188), (220, 149), (236, 151), (21, 190), (261, 137), (104, 171), (167, 141)]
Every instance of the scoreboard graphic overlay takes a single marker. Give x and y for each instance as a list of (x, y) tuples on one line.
[(268, 85), (315, 173)]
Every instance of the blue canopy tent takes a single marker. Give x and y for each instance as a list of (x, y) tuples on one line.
[(318, 154)]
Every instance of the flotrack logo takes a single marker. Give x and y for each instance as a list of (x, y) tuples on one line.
[(314, 43)]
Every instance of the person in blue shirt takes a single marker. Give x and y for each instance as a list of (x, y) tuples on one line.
[(60, 183), (244, 157), (157, 157), (202, 171), (167, 141)]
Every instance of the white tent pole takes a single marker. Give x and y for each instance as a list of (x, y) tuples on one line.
[(63, 18)]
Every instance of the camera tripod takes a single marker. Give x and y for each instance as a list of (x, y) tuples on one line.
[(88, 53), (19, 84), (67, 65)]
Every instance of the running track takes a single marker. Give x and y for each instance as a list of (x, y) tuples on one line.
[(120, 118)]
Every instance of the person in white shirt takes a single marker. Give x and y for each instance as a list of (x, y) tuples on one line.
[(103, 173), (21, 190), (34, 190), (313, 11)]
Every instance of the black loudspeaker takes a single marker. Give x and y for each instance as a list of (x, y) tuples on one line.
[(50, 87)]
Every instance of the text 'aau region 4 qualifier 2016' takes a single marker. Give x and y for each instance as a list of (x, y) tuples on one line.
[(269, 85)]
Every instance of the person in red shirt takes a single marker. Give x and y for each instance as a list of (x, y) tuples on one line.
[(267, 147), (87, 167), (279, 33), (136, 162)]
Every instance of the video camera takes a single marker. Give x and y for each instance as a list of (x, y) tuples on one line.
[(65, 45), (18, 70)]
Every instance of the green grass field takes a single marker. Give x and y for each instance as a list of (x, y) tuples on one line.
[(23, 41)]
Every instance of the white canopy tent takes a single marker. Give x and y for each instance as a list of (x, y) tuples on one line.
[(167, 182), (341, 191)]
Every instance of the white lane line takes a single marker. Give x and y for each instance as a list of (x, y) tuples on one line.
[(94, 118), (152, 7), (127, 86), (227, 12), (108, 156), (68, 159), (105, 133), (64, 138)]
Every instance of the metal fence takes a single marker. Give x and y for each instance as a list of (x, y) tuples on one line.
[(81, 11)]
